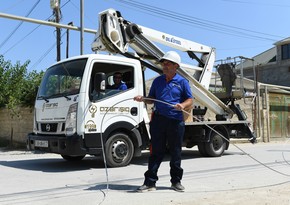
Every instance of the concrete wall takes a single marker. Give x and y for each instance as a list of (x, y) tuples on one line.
[(16, 129), (274, 72)]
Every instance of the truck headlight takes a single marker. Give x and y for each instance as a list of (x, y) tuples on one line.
[(71, 120)]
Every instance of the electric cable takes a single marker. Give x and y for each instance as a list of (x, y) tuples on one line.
[(200, 21), (190, 114), (103, 149), (204, 24), (256, 3), (284, 156), (258, 161), (17, 27), (49, 49), (78, 9), (15, 44), (44, 55)]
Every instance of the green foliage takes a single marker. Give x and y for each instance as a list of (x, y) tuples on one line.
[(30, 86), (17, 85)]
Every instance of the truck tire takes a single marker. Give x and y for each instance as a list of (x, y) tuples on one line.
[(201, 149), (73, 158), (216, 145), (119, 150)]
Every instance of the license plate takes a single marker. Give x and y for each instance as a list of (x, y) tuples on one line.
[(41, 143)]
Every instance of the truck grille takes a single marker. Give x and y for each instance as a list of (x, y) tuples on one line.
[(48, 127)]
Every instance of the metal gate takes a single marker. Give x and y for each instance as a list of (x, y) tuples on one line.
[(279, 115)]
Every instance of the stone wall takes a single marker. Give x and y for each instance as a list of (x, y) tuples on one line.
[(15, 130)]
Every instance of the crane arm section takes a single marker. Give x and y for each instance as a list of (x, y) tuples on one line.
[(117, 35)]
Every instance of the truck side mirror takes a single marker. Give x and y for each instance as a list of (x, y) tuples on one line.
[(100, 82)]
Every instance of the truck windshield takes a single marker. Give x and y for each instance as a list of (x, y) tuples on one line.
[(62, 79)]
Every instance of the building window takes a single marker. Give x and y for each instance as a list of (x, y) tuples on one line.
[(285, 51)]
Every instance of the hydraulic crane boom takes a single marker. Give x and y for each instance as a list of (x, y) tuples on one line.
[(117, 35)]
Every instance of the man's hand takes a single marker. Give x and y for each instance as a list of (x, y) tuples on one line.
[(179, 106), (139, 98)]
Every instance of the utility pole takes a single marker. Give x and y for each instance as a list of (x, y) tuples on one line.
[(55, 6), (67, 40), (82, 26)]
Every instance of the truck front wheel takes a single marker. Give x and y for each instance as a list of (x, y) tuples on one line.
[(119, 150)]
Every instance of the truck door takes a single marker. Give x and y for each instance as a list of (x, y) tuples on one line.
[(114, 109)]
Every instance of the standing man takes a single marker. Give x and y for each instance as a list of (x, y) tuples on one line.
[(167, 124)]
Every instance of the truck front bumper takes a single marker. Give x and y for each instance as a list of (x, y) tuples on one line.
[(72, 145)]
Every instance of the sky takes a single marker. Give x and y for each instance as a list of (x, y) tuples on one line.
[(234, 27)]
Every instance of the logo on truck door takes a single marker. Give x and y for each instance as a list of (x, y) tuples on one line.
[(114, 109), (93, 110), (91, 126)]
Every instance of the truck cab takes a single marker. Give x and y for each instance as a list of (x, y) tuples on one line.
[(76, 112)]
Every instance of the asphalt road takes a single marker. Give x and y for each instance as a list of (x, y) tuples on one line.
[(261, 176)]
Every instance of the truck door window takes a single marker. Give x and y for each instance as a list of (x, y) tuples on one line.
[(119, 78)]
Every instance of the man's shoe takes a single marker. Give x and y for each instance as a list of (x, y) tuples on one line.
[(145, 188), (177, 187)]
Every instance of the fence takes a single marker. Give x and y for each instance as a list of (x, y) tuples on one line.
[(15, 129)]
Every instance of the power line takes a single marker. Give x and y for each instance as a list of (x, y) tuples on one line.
[(201, 26), (17, 27), (42, 57), (260, 4), (201, 23), (78, 9), (45, 54), (19, 41), (50, 49), (15, 44), (189, 19)]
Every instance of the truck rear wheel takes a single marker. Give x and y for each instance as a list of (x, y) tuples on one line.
[(217, 144), (73, 158), (119, 150), (201, 149)]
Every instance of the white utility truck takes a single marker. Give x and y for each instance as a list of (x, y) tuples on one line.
[(77, 114)]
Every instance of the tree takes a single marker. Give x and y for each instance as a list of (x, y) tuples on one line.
[(29, 91), (18, 88), (17, 85)]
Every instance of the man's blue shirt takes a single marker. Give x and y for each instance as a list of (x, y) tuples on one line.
[(122, 86), (175, 91)]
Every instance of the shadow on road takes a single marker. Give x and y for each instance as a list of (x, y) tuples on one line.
[(54, 164), (89, 162), (123, 187)]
